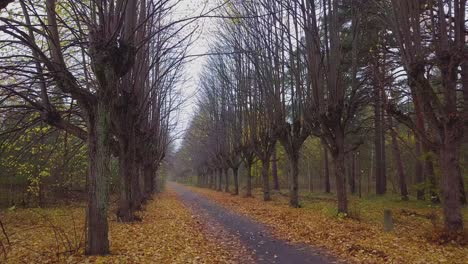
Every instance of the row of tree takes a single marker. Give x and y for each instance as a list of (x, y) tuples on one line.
[(105, 72), (336, 70)]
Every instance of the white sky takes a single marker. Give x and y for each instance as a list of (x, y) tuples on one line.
[(190, 8)]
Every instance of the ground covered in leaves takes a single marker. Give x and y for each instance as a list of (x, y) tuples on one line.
[(168, 233), (358, 237)]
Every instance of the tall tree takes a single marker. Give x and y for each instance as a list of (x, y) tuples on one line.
[(443, 40)]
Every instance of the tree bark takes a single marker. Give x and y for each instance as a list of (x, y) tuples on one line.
[(137, 186), (464, 75), (380, 175), (401, 176), (462, 188), (220, 177), (235, 173), (149, 180), (418, 169), (210, 180), (326, 170), (429, 175), (294, 184), (338, 154), (98, 180), (449, 157), (265, 179), (249, 180), (352, 174), (226, 177), (274, 171), (126, 172), (339, 166)]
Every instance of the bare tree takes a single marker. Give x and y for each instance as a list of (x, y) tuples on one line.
[(433, 50)]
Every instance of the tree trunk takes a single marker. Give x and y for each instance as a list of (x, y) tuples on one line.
[(215, 179), (141, 183), (249, 180), (462, 188), (98, 180), (274, 171), (352, 174), (398, 162), (449, 164), (235, 173), (220, 178), (326, 169), (419, 166), (265, 179), (418, 169), (339, 165), (149, 180), (309, 174), (226, 177), (464, 75), (211, 180), (359, 175), (126, 172), (380, 175), (429, 174), (294, 184)]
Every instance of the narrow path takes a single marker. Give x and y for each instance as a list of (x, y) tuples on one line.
[(263, 246)]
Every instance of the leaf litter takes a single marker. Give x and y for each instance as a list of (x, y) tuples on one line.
[(352, 240), (168, 233)]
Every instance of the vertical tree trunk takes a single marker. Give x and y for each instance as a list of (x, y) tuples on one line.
[(126, 172), (249, 180), (359, 174), (462, 188), (266, 179), (149, 179), (418, 169), (211, 180), (352, 174), (215, 180), (429, 175), (401, 176), (294, 184), (380, 175), (339, 165), (274, 171), (220, 178), (419, 166), (369, 175), (326, 170), (309, 173), (464, 74), (135, 181), (449, 164), (235, 173), (98, 180), (226, 177)]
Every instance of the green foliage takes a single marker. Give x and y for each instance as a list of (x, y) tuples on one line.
[(40, 155)]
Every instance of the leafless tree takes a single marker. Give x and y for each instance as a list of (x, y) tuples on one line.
[(435, 50)]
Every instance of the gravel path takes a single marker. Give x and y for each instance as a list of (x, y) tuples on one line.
[(255, 237)]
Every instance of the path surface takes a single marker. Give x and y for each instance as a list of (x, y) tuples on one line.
[(254, 236)]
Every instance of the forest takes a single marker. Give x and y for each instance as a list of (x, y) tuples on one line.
[(230, 131)]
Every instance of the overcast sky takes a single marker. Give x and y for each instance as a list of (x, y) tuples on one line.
[(205, 34)]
